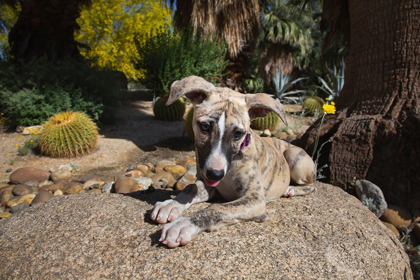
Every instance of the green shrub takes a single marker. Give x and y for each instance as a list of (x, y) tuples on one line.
[(166, 56), (30, 94)]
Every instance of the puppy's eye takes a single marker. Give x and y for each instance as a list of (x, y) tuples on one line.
[(238, 134), (205, 127)]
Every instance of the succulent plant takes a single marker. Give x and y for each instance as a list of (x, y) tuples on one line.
[(313, 104), (268, 122), (173, 112), (68, 134), (188, 124)]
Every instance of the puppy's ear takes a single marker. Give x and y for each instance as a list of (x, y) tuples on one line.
[(196, 89), (260, 104)]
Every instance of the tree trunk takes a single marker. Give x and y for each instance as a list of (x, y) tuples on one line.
[(376, 132)]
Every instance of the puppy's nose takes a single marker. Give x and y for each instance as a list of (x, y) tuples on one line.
[(215, 175)]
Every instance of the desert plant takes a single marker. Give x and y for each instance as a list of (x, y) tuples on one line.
[(313, 105), (29, 144), (68, 134), (282, 85), (167, 56), (173, 112), (268, 122), (337, 77)]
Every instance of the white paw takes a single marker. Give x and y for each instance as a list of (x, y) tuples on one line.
[(166, 211), (179, 232)]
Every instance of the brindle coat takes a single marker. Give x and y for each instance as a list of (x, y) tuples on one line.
[(246, 174)]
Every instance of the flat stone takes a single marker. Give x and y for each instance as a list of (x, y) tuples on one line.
[(161, 164), (19, 207), (108, 187), (163, 180), (94, 191), (25, 174), (393, 229), (54, 187), (326, 235), (371, 196), (187, 179), (6, 195), (143, 168), (398, 216), (21, 189), (58, 193), (62, 167), (20, 199), (32, 130), (92, 184), (32, 184), (4, 215), (42, 196), (134, 173), (186, 161), (44, 183), (83, 179), (144, 182)]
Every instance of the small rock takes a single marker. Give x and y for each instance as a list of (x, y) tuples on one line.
[(161, 164), (92, 184), (58, 193), (398, 216), (5, 215), (186, 161), (44, 183), (281, 134), (20, 199), (62, 167), (60, 175), (163, 180), (188, 179), (32, 184), (151, 166), (42, 196), (371, 196), (8, 170), (392, 228), (134, 173), (25, 174), (144, 182), (143, 168), (289, 131), (108, 187), (19, 207), (6, 195), (290, 138), (54, 187), (176, 170), (266, 133), (21, 189), (73, 188), (126, 185), (83, 179)]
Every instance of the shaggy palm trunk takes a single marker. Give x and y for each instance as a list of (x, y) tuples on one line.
[(376, 133)]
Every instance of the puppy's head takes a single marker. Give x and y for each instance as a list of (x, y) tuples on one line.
[(221, 122)]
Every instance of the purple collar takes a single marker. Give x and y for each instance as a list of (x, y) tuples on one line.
[(246, 142)]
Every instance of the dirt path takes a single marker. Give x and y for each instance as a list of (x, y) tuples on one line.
[(136, 137)]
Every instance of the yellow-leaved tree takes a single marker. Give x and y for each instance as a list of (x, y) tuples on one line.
[(8, 17), (108, 27)]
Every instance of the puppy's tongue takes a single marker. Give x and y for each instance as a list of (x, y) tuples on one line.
[(210, 183)]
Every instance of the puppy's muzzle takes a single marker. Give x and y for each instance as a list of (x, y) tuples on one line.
[(214, 174)]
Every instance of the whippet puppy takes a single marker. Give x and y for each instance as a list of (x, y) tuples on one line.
[(233, 161)]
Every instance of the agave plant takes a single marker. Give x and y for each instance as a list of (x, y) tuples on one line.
[(337, 77), (282, 84)]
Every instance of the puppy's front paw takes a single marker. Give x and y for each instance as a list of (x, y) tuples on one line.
[(179, 232), (166, 211)]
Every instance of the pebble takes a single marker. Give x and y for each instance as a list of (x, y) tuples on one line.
[(144, 182), (8, 170), (54, 187), (35, 129), (62, 167), (398, 216), (32, 184), (371, 196), (83, 179), (282, 135), (44, 183), (108, 187), (25, 174), (5, 196), (92, 184), (20, 199), (21, 189), (161, 164), (60, 175), (94, 191), (19, 207), (143, 168), (392, 228), (42, 196), (126, 185), (58, 193), (176, 170), (73, 188), (266, 133), (162, 180), (187, 161), (4, 215), (134, 173)]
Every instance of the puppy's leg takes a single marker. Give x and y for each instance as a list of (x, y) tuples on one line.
[(170, 209), (251, 206)]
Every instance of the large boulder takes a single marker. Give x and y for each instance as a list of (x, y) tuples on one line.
[(327, 235)]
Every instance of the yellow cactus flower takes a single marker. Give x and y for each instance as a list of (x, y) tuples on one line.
[(17, 145), (329, 109)]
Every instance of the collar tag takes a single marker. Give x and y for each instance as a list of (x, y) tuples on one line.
[(246, 141)]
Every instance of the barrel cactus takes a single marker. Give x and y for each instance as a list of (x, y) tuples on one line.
[(313, 104), (268, 122), (173, 112), (188, 125), (68, 134)]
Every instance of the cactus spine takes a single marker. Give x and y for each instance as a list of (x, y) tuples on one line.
[(68, 134), (173, 112), (313, 104), (268, 122)]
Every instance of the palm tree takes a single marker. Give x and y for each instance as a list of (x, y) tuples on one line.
[(44, 28)]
